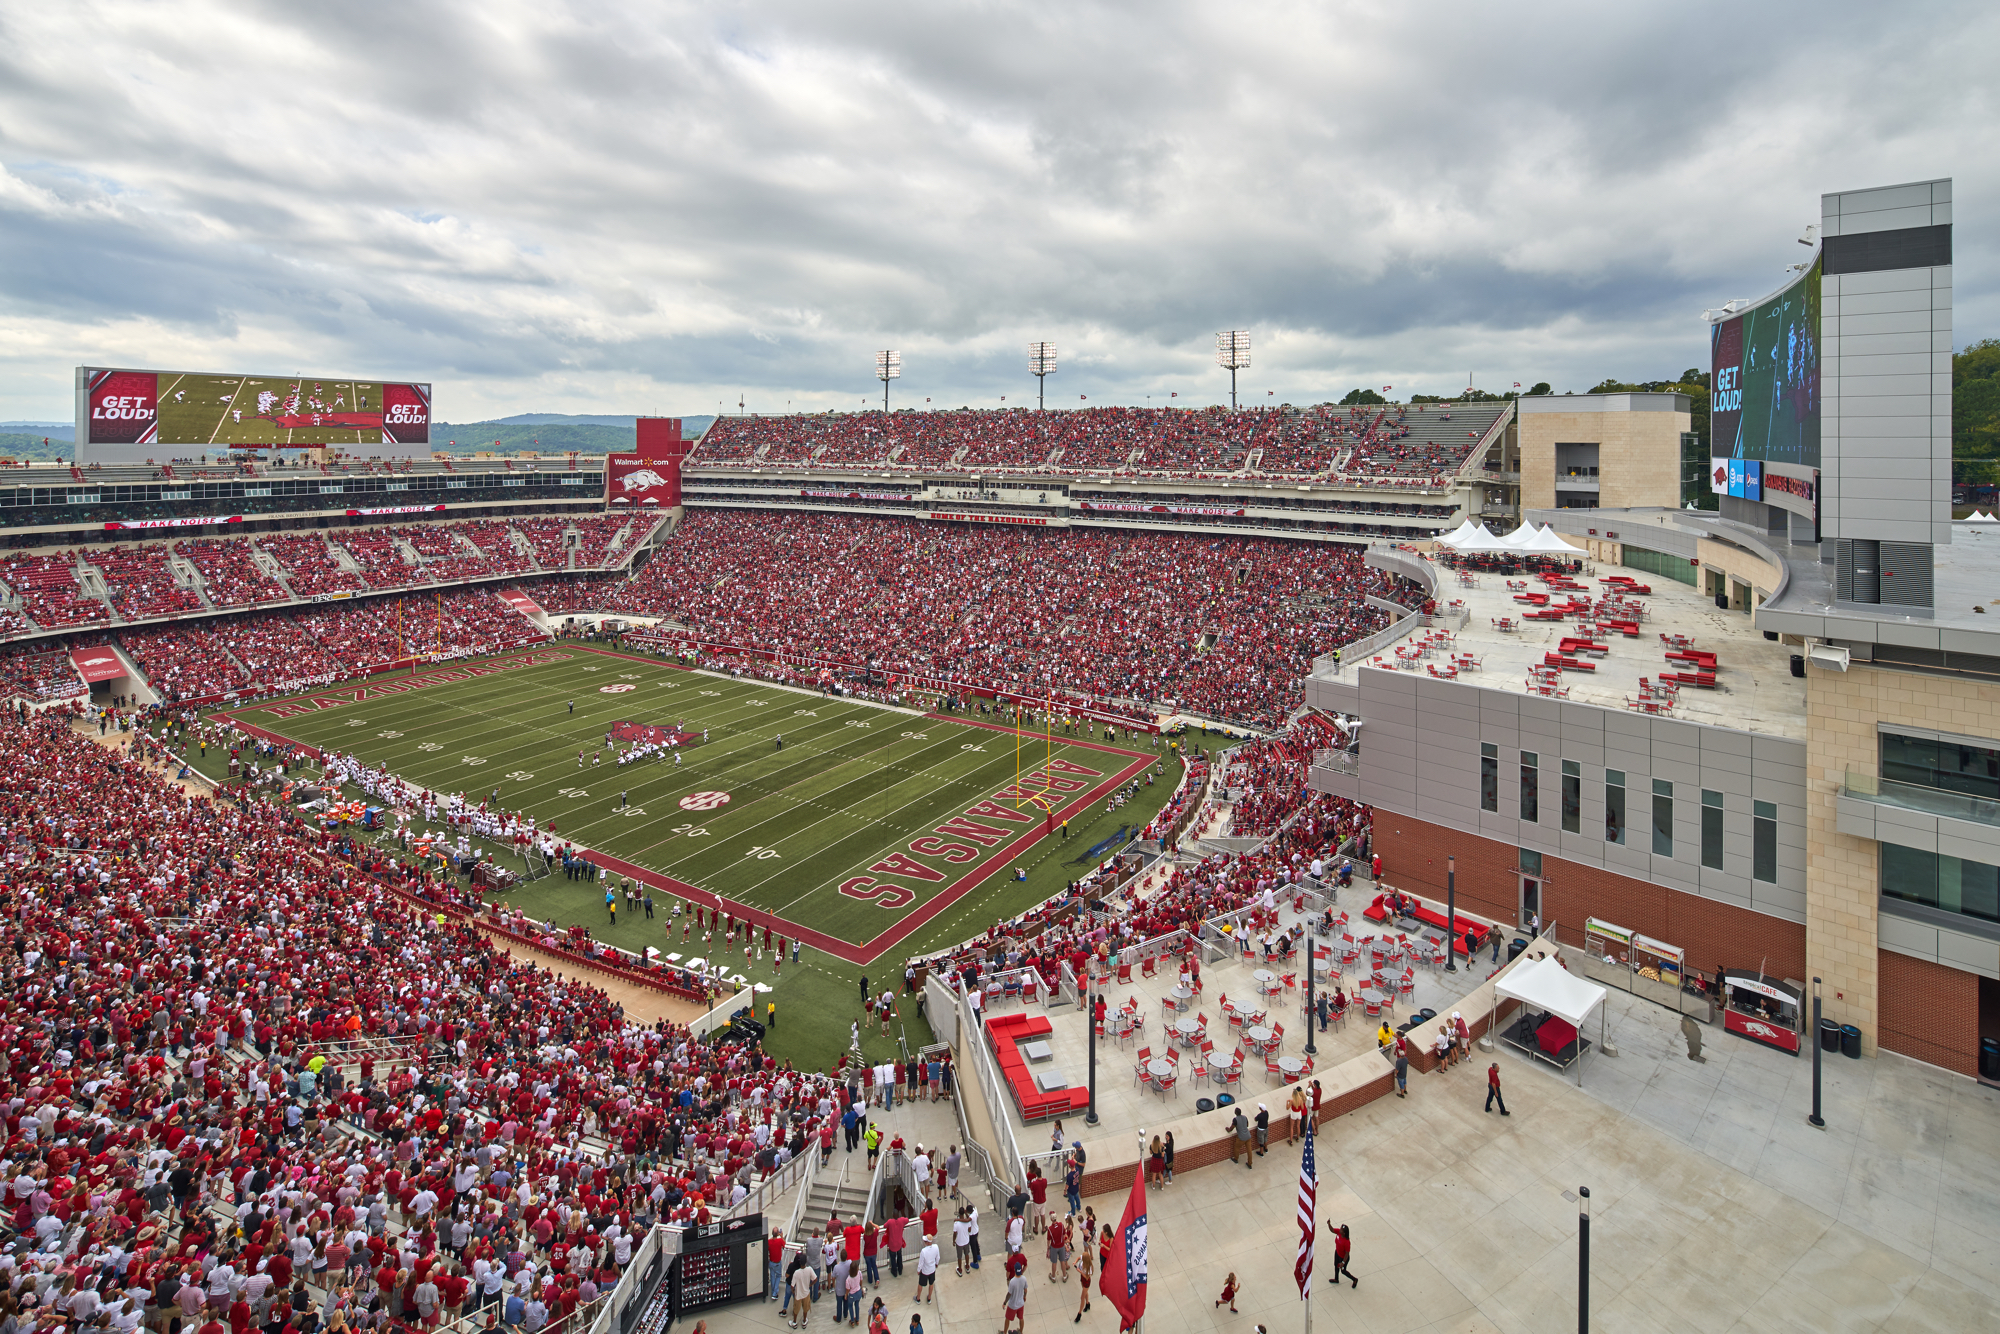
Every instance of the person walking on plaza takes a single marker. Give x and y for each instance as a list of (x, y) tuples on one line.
[(961, 1243), (802, 1286), (1493, 1089), (1402, 1073), (1086, 1257), (927, 1267), (1014, 1310), (1228, 1294), (1343, 1249)]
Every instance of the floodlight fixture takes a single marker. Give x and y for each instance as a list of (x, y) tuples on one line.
[(1041, 364), (888, 366), (1232, 353)]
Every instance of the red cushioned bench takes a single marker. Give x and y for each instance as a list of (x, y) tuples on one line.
[(1375, 912), (1568, 664), (1007, 1032)]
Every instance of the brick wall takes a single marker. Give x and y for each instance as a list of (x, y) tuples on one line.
[(1106, 1181), (1714, 934), (1118, 1180), (1929, 1011)]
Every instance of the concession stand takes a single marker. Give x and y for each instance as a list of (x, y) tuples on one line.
[(1648, 968), (1761, 1009)]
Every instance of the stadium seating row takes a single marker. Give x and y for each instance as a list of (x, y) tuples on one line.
[(1401, 442), (1219, 627), (140, 580)]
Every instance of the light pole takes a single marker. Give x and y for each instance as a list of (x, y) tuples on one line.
[(888, 366), (1312, 962), (1041, 364), (1090, 1037), (1451, 916), (1583, 1260), (1816, 1120), (1232, 353)]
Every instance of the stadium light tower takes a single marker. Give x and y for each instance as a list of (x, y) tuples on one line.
[(1042, 364), (888, 366), (1232, 353)]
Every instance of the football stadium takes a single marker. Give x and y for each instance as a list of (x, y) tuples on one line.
[(781, 838)]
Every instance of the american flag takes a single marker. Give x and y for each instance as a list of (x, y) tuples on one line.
[(1308, 1197)]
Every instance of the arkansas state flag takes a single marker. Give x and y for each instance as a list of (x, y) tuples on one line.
[(1123, 1281)]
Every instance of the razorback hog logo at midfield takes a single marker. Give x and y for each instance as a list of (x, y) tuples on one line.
[(645, 479)]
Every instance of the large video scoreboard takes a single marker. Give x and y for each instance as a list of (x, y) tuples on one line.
[(136, 416)]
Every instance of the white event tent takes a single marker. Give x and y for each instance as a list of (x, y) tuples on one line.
[(1546, 985), (1547, 543)]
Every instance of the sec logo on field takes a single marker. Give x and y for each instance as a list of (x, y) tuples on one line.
[(704, 801), (618, 689)]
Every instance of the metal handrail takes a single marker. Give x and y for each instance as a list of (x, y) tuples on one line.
[(774, 1184)]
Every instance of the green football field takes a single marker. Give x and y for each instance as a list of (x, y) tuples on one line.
[(224, 409), (869, 829)]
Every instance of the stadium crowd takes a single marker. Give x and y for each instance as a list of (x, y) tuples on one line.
[(1354, 442), (280, 650), (1314, 828), (210, 1128), (139, 578), (1221, 627)]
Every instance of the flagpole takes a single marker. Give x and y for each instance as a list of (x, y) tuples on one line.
[(1139, 1325)]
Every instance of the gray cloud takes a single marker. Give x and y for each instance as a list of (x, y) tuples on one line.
[(613, 207)]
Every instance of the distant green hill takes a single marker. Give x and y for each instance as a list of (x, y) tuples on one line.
[(16, 445), (468, 437)]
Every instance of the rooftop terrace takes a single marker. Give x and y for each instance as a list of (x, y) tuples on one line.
[(1754, 689)]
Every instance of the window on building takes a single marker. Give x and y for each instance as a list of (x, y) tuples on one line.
[(1946, 883), (1764, 841), (1572, 797), (1661, 563), (1614, 806), (1489, 777), (1531, 862), (1951, 766), (1531, 792), (1711, 829), (1663, 818)]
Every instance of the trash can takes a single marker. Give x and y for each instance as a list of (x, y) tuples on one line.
[(1850, 1042), (1989, 1058), (1225, 1100), (1829, 1035), (1798, 664), (1205, 1104), (1515, 947), (1425, 1016)]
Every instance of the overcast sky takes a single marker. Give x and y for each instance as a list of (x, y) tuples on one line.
[(658, 207)]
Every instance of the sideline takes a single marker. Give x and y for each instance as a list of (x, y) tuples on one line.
[(644, 1003)]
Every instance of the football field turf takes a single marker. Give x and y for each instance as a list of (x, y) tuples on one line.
[(223, 410), (866, 825)]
